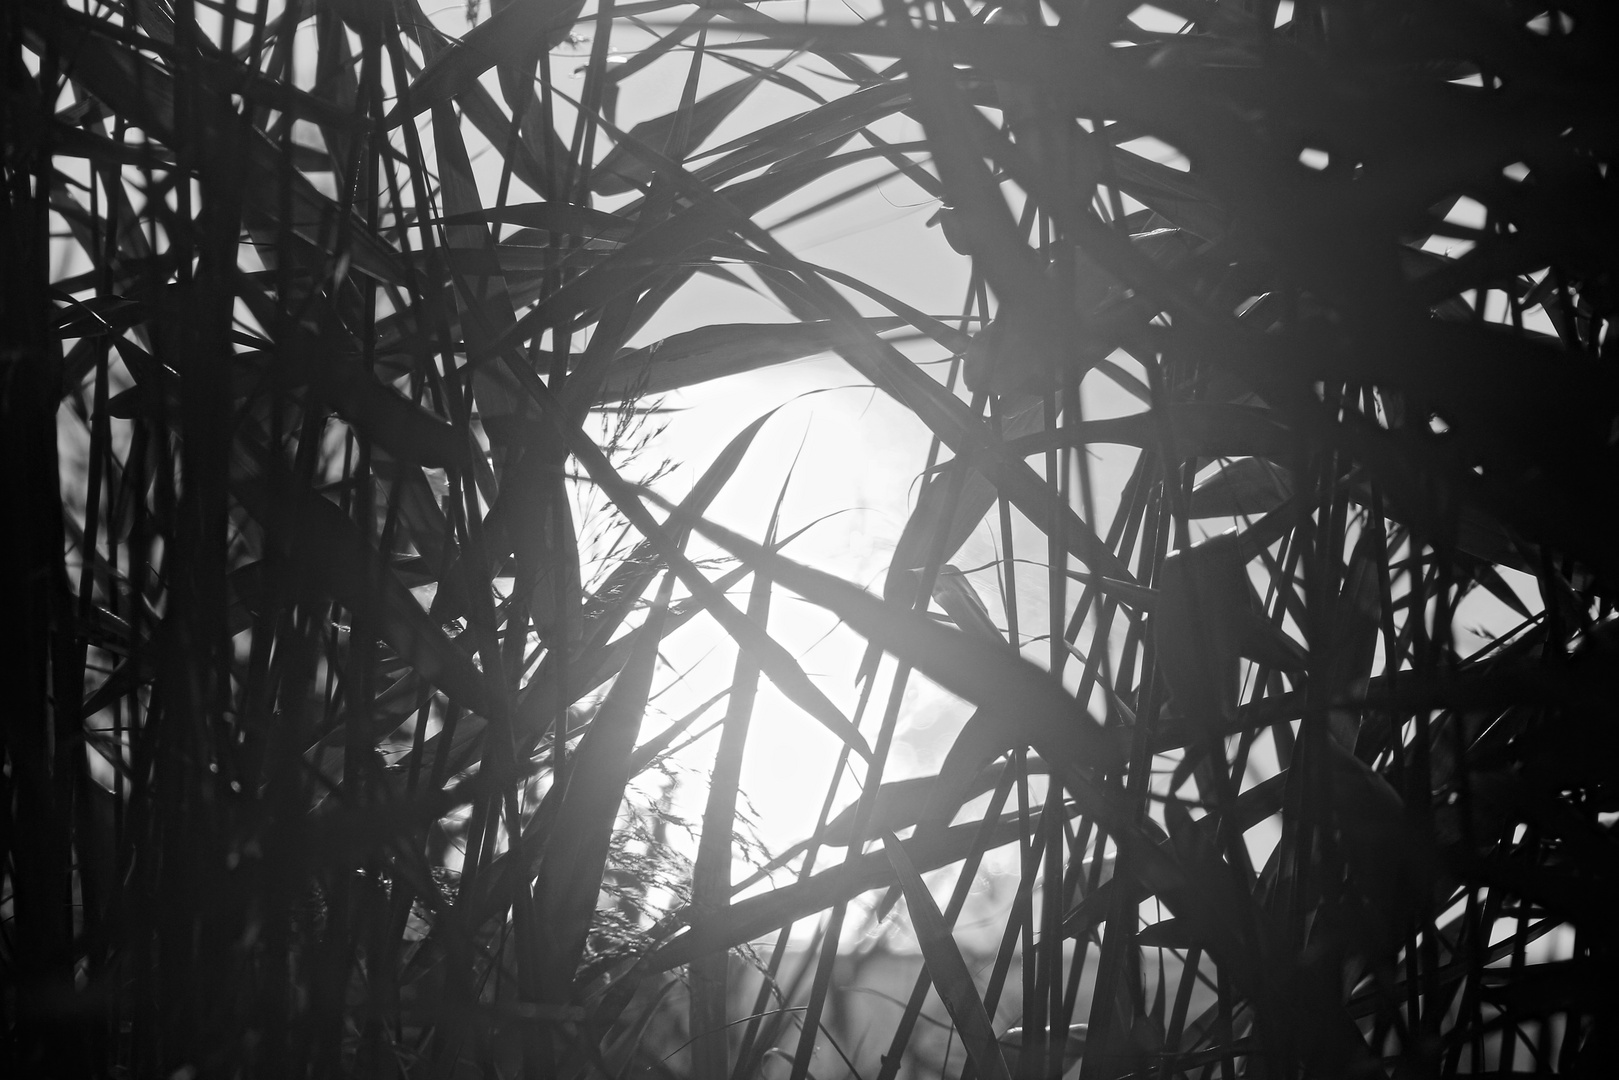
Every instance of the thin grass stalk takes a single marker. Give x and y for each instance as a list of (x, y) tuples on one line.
[(751, 1043), (873, 779), (1020, 916), (827, 961), (712, 874), (892, 1060)]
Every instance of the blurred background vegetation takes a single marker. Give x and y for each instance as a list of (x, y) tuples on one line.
[(341, 561)]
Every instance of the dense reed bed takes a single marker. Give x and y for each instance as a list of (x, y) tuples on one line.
[(336, 570)]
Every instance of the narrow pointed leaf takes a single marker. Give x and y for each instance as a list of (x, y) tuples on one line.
[(748, 918), (713, 352), (571, 874), (945, 965), (1034, 706), (512, 35)]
